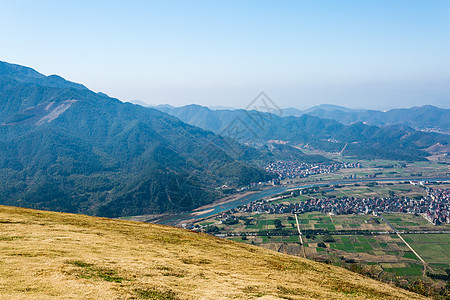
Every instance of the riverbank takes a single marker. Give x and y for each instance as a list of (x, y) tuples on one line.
[(225, 200), (235, 200), (178, 220), (199, 211)]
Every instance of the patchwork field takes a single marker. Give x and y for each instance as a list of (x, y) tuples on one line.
[(364, 242), (385, 250)]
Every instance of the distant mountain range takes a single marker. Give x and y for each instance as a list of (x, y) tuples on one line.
[(66, 148), (427, 118), (357, 139)]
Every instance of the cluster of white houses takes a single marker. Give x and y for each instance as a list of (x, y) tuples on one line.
[(435, 207), (292, 169)]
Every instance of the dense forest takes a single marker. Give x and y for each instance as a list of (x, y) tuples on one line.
[(66, 148)]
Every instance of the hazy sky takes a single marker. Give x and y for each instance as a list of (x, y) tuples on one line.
[(362, 53)]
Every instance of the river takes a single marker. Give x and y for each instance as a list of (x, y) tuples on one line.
[(221, 207)]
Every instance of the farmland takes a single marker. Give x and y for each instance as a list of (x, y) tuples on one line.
[(378, 168), (362, 241)]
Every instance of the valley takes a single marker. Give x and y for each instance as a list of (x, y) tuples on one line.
[(370, 199), (215, 150), (367, 171)]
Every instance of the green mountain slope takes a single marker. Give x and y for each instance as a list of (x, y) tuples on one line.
[(48, 255), (66, 148)]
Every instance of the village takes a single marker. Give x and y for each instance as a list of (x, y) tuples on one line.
[(435, 206), (292, 169)]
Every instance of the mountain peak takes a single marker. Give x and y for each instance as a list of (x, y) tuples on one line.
[(8, 69), (30, 76), (328, 107)]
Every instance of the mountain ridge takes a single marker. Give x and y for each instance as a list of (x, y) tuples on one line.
[(29, 75), (391, 142), (426, 117), (66, 148)]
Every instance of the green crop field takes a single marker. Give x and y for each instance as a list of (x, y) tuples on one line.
[(408, 270), (410, 255), (433, 248)]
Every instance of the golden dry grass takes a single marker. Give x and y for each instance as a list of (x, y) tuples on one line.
[(48, 255)]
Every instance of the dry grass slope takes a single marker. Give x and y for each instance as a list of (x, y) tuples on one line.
[(48, 255)]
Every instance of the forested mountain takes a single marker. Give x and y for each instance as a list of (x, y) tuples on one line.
[(358, 139), (66, 148), (428, 117)]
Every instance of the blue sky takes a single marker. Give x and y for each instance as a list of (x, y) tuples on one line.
[(374, 54)]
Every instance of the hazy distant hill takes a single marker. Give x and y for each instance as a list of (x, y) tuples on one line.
[(426, 117), (48, 255), (358, 139), (139, 102), (66, 148)]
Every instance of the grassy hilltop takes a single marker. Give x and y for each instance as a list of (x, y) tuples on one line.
[(45, 255)]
